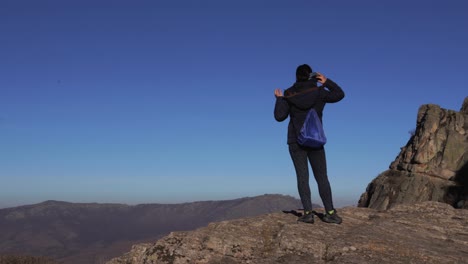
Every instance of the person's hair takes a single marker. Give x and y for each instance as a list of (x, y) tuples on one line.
[(303, 72)]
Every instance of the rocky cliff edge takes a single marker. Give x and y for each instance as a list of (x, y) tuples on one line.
[(428, 232), (433, 166)]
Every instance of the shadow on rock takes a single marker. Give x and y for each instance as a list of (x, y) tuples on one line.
[(457, 195), (299, 213), (293, 212)]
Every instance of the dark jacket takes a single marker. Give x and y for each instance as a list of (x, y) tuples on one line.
[(297, 106)]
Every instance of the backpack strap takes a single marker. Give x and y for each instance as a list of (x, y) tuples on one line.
[(308, 90)]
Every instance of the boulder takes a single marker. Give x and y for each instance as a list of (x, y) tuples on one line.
[(432, 165)]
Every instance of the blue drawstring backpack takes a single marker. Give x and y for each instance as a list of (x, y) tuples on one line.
[(312, 134)]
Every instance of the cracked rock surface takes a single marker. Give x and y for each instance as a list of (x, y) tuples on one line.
[(427, 232)]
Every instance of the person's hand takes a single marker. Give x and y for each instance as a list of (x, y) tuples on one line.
[(321, 78), (278, 93)]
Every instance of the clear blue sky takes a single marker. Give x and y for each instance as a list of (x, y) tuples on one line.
[(172, 101)]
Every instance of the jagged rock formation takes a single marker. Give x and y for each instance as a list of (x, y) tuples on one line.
[(428, 232), (433, 166)]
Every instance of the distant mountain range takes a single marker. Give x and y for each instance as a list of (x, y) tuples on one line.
[(94, 233)]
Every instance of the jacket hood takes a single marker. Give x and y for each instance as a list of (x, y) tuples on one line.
[(304, 85), (300, 97)]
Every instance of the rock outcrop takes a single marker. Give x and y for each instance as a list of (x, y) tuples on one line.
[(428, 232), (433, 166)]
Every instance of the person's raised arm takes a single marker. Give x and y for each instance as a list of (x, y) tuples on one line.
[(334, 93), (281, 106)]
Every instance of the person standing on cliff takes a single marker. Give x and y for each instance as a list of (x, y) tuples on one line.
[(295, 103)]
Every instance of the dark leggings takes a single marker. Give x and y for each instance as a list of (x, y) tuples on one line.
[(318, 163)]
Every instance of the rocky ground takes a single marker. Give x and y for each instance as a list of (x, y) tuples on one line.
[(427, 232)]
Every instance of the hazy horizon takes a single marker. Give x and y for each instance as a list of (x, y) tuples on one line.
[(339, 203)]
